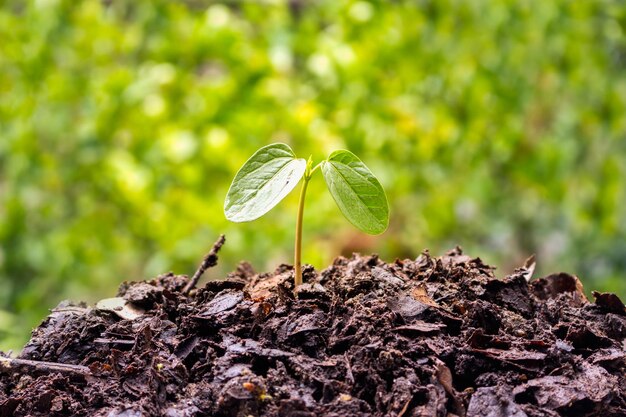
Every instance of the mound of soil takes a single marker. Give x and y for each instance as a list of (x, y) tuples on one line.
[(426, 337)]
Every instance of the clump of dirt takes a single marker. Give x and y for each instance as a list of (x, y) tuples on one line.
[(434, 336)]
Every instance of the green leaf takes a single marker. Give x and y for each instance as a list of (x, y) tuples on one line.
[(265, 179), (357, 192)]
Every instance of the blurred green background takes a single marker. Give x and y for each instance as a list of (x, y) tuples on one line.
[(496, 125)]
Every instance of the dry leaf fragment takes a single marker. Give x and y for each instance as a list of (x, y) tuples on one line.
[(561, 283), (120, 307), (420, 294), (529, 266), (610, 302)]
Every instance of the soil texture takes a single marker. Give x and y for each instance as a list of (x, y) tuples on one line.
[(434, 336)]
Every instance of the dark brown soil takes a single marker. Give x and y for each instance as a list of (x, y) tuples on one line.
[(426, 337)]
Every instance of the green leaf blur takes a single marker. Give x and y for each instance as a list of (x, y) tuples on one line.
[(357, 192), (262, 182), (498, 126)]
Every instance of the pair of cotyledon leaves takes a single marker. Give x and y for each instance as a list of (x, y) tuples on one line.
[(274, 171)]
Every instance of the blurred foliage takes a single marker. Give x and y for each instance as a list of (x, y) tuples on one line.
[(499, 126)]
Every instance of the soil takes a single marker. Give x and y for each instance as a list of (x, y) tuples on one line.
[(434, 336)]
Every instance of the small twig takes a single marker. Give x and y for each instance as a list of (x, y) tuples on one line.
[(114, 341), (10, 364), (349, 374), (209, 261), (406, 406)]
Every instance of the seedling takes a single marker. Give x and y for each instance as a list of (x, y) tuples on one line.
[(274, 171)]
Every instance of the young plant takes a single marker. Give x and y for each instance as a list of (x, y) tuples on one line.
[(274, 171)]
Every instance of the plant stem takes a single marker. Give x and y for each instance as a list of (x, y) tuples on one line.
[(297, 264)]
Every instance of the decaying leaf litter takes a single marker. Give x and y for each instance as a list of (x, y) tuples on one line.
[(434, 336)]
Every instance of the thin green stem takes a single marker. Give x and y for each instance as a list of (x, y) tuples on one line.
[(298, 247), (316, 168)]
